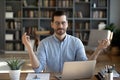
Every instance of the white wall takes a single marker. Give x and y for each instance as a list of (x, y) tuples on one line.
[(115, 12)]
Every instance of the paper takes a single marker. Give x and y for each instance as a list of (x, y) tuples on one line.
[(38, 76), (115, 74)]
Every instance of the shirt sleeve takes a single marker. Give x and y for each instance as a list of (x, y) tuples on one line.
[(41, 57), (80, 51)]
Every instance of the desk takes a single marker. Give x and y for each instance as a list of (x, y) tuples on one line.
[(4, 74)]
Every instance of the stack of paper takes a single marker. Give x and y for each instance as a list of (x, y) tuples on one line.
[(38, 76)]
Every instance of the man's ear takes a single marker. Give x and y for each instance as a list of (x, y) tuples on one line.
[(67, 24)]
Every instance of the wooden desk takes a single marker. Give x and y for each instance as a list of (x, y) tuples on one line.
[(4, 75)]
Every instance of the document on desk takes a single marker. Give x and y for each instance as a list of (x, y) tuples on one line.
[(38, 76)]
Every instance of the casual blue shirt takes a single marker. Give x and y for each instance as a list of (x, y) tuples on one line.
[(52, 53)]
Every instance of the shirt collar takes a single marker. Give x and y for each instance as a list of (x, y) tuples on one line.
[(58, 39)]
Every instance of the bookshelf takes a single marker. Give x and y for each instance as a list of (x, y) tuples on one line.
[(88, 15), (13, 29), (35, 15)]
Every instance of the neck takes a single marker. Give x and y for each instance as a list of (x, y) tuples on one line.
[(60, 37)]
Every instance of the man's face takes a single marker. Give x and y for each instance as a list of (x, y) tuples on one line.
[(60, 24)]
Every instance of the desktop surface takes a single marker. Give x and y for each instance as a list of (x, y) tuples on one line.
[(102, 60)]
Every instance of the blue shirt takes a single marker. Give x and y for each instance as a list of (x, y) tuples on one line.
[(52, 53)]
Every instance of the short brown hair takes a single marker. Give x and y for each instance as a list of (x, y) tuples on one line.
[(58, 13)]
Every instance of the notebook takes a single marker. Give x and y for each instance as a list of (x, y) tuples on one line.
[(77, 70)]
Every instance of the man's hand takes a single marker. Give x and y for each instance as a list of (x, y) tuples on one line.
[(103, 44), (33, 59), (26, 41)]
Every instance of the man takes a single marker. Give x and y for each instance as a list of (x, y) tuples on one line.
[(54, 50)]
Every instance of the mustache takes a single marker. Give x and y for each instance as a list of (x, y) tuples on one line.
[(60, 29)]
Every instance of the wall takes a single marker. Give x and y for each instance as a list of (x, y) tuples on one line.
[(1, 26), (115, 12)]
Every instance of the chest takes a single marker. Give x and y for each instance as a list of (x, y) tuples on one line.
[(61, 51)]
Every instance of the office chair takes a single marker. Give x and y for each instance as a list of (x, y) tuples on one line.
[(96, 36)]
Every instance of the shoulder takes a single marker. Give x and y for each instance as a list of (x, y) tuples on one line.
[(44, 42), (73, 38), (74, 41), (47, 39)]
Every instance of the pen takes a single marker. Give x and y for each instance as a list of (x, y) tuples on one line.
[(36, 77)]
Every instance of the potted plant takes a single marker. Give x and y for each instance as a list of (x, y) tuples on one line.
[(116, 38), (15, 65), (110, 27), (115, 43)]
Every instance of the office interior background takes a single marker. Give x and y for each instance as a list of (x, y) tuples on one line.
[(6, 51), (112, 17)]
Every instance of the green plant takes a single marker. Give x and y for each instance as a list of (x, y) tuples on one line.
[(110, 27), (116, 38), (15, 63), (116, 32)]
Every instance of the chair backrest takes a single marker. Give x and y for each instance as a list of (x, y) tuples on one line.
[(98, 35)]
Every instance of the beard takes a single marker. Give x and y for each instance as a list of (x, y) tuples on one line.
[(60, 31)]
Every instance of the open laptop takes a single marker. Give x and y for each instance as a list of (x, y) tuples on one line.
[(77, 70)]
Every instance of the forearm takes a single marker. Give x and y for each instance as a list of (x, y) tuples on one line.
[(27, 43), (102, 45), (95, 55), (33, 59)]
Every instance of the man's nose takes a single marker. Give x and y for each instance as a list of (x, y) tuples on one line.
[(60, 25)]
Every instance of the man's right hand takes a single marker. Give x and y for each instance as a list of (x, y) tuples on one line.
[(33, 59), (26, 41)]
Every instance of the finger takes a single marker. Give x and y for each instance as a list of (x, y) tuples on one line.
[(101, 42), (106, 43), (25, 38)]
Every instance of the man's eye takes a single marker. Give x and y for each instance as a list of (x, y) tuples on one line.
[(63, 23), (57, 23)]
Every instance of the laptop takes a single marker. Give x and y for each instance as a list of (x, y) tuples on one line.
[(77, 70)]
